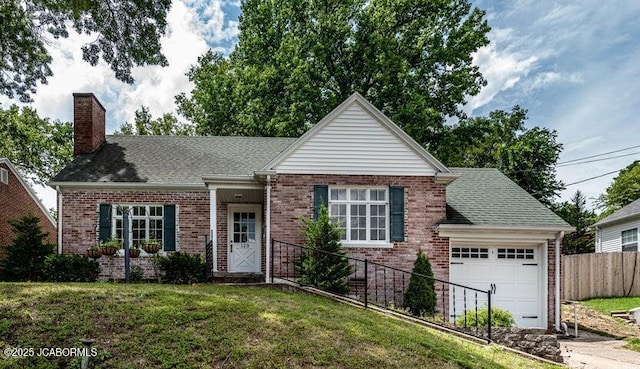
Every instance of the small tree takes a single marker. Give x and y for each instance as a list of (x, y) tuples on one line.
[(325, 265), (25, 258), (420, 297)]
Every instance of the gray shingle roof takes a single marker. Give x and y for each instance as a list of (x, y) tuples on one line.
[(172, 159), (626, 212), (486, 197)]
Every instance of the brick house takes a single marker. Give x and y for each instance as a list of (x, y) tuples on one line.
[(17, 199), (389, 194)]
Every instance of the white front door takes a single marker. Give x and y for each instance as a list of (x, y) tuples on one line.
[(244, 234), (512, 273)]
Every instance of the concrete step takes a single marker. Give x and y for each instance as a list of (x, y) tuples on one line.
[(226, 277)]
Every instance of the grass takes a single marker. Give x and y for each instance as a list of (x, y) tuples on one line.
[(160, 326), (608, 304)]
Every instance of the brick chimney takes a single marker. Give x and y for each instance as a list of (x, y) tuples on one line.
[(88, 123)]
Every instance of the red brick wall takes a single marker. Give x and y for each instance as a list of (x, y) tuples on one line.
[(88, 123), (551, 285), (80, 217), (425, 206), (16, 202)]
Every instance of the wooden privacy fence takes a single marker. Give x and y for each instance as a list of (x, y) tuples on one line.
[(600, 275)]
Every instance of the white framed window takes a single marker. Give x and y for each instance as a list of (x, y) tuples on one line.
[(362, 213), (146, 222), (4, 176), (629, 239)]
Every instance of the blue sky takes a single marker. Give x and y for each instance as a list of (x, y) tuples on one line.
[(572, 64)]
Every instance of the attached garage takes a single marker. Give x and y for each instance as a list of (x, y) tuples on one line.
[(512, 273)]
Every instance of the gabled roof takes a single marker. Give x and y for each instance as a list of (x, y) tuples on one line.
[(626, 212), (486, 197), (29, 190), (377, 115), (171, 160)]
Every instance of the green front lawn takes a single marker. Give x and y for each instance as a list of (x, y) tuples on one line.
[(160, 326), (609, 304)]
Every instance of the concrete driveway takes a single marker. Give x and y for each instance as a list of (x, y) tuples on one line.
[(591, 351)]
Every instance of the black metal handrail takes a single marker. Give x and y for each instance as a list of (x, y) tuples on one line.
[(385, 286), (208, 247)]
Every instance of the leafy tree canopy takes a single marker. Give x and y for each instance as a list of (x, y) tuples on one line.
[(501, 140), (37, 147), (298, 59), (144, 124), (624, 190), (127, 35)]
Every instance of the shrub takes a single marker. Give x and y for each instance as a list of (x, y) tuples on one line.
[(181, 268), (328, 268), (70, 268), (24, 260), (499, 318), (420, 297), (136, 274)]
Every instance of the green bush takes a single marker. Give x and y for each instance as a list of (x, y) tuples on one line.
[(70, 268), (136, 274), (182, 268), (499, 318), (326, 270), (420, 297), (25, 258)]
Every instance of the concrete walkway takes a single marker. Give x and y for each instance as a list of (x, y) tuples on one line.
[(591, 351)]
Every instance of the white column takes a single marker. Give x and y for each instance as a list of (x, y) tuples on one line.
[(268, 231), (213, 224)]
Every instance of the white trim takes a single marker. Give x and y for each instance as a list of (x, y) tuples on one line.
[(501, 228), (131, 185), (381, 118), (544, 255), (29, 190), (213, 225), (257, 208)]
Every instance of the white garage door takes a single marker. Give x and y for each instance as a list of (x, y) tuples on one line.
[(512, 273)]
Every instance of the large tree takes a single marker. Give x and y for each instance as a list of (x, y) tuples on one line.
[(501, 140), (624, 190), (127, 34), (38, 147), (297, 59), (144, 124)]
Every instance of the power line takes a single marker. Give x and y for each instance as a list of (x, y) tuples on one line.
[(596, 155), (568, 164), (590, 178)]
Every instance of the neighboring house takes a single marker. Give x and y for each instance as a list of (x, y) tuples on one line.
[(619, 231), (17, 199), (391, 196)]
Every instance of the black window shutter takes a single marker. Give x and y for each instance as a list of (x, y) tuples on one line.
[(320, 197), (169, 228), (396, 213), (104, 227)]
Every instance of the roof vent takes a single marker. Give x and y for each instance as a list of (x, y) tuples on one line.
[(4, 176)]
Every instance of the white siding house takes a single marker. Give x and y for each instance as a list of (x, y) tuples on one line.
[(620, 230)]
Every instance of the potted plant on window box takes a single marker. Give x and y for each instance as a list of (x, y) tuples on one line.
[(110, 246), (134, 252), (94, 252), (151, 246)]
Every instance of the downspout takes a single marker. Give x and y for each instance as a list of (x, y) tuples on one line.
[(59, 219), (557, 278), (268, 232)]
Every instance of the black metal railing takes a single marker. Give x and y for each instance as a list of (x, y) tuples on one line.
[(457, 307), (208, 255)]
